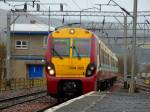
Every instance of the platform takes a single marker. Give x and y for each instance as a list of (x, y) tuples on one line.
[(113, 101)]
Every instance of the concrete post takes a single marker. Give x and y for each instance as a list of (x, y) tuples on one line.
[(125, 51), (132, 85), (8, 45)]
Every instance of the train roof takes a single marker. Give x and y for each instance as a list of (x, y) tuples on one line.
[(68, 28), (72, 32)]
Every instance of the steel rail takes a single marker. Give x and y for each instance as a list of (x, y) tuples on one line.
[(9, 102)]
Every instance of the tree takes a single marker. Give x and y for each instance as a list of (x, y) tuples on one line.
[(2, 59)]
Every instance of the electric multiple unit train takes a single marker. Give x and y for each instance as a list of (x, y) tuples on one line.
[(77, 62)]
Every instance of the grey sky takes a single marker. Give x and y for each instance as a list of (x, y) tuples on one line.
[(143, 5), (128, 4)]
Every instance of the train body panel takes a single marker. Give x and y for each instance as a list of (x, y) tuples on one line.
[(77, 62), (72, 33), (70, 67), (86, 84)]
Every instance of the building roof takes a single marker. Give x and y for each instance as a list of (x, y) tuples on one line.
[(31, 29)]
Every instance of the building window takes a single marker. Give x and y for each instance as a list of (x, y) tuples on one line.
[(45, 41), (21, 44)]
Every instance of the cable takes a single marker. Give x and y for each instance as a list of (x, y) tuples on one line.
[(76, 4)]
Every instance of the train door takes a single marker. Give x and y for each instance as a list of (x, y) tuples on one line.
[(35, 71)]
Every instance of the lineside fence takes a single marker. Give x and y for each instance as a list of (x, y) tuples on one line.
[(22, 83), (143, 85)]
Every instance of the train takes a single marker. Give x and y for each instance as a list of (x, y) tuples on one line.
[(78, 62)]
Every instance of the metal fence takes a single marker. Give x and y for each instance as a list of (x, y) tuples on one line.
[(21, 83), (2, 60), (143, 85), (2, 66)]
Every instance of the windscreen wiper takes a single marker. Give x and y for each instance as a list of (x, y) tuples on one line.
[(78, 54), (57, 53)]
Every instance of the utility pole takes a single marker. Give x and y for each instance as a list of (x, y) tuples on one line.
[(8, 69), (125, 51), (80, 17), (49, 20), (133, 47)]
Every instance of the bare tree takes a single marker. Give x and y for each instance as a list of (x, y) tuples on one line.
[(2, 60)]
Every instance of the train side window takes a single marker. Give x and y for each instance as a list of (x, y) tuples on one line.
[(103, 57), (99, 47), (111, 62), (106, 58)]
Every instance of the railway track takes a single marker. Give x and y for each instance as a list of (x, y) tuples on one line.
[(9, 102), (35, 102)]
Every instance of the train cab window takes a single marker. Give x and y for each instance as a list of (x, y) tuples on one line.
[(61, 47), (81, 47)]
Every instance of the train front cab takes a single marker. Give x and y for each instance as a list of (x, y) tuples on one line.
[(70, 87), (71, 67)]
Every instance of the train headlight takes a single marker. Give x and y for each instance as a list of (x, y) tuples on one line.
[(72, 31), (91, 68), (50, 69), (51, 72), (89, 72)]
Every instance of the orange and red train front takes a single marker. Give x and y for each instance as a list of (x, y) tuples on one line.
[(71, 62)]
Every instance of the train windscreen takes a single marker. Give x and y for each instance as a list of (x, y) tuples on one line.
[(61, 47), (81, 47)]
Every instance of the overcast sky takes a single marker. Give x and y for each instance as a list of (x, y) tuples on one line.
[(143, 5), (128, 4)]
